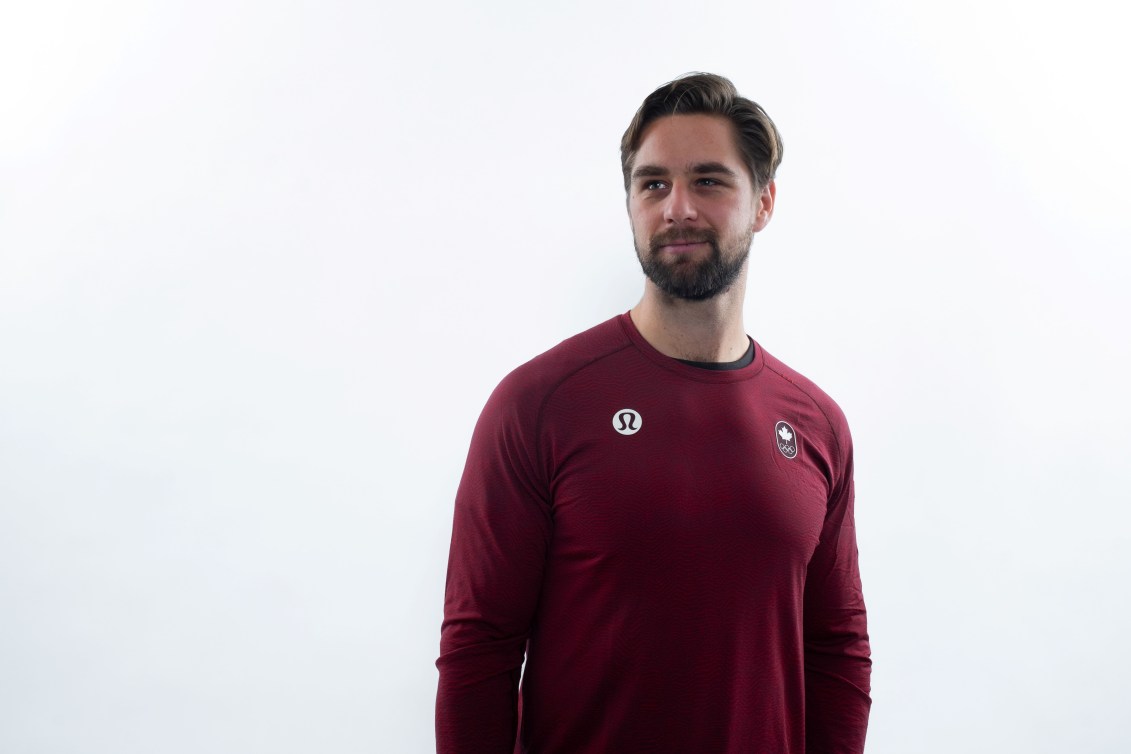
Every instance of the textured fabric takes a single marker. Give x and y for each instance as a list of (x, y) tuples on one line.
[(673, 551)]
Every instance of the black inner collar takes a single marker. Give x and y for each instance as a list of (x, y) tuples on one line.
[(721, 366)]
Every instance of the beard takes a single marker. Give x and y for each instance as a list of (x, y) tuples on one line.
[(694, 280)]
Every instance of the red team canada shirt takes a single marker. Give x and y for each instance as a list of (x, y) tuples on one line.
[(672, 550)]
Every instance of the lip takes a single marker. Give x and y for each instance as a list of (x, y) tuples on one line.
[(682, 247)]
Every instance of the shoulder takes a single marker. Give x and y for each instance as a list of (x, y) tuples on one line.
[(806, 390), (526, 388), (544, 373)]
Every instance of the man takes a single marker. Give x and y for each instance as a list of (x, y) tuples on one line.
[(657, 513)]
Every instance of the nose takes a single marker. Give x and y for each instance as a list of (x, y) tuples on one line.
[(680, 206)]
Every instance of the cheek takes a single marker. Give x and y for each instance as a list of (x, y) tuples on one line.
[(639, 225), (743, 219)]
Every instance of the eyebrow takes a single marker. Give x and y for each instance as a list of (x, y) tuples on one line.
[(712, 167), (649, 171), (701, 168)]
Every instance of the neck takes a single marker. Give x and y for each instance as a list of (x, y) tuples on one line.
[(709, 331)]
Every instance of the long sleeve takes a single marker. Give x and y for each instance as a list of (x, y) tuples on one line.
[(837, 653), (500, 535)]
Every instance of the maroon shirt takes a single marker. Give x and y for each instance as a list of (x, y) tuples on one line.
[(672, 548)]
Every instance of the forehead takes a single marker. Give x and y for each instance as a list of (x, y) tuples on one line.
[(675, 142)]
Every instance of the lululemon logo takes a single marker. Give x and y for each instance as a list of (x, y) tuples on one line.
[(626, 421), (786, 439)]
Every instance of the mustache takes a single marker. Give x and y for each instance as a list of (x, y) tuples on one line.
[(683, 235)]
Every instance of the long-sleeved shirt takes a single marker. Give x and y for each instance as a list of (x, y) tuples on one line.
[(672, 549)]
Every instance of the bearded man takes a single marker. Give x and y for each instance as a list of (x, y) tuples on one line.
[(657, 514)]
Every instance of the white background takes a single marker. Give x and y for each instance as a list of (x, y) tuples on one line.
[(261, 264)]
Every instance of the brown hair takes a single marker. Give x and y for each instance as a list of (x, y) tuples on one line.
[(758, 137)]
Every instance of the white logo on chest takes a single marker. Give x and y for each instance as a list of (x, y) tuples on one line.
[(786, 439), (627, 422)]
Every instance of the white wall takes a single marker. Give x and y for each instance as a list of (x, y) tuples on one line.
[(261, 264)]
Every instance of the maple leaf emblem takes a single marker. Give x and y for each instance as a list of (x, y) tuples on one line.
[(785, 434)]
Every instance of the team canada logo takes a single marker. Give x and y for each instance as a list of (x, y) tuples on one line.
[(786, 439)]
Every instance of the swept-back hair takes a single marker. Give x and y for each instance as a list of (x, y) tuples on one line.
[(711, 94)]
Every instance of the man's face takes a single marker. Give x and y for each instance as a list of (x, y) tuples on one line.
[(692, 205)]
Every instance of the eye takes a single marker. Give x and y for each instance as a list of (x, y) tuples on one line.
[(709, 182), (654, 185)]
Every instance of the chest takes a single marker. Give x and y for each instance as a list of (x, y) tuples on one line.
[(644, 476)]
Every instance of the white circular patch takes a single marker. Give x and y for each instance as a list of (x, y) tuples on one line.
[(626, 421)]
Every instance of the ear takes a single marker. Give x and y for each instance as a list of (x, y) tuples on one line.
[(764, 206)]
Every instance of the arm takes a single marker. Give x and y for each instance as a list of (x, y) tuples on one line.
[(499, 539), (837, 654)]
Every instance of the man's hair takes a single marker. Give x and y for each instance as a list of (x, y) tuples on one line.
[(708, 93)]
